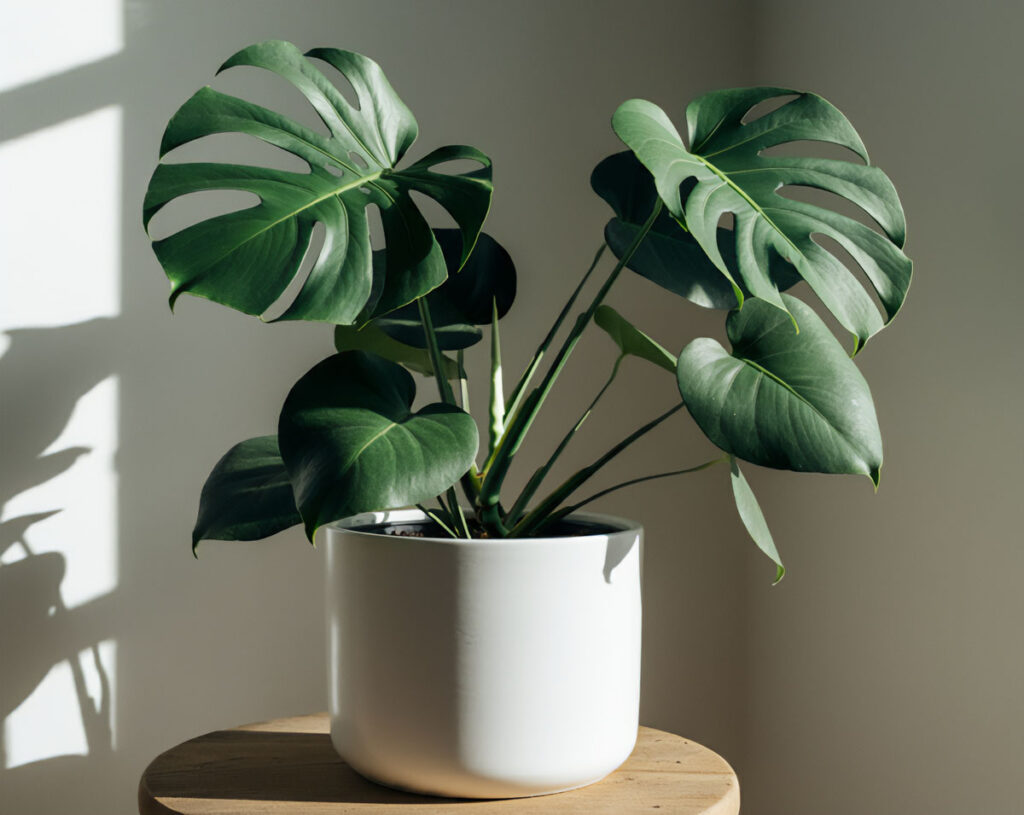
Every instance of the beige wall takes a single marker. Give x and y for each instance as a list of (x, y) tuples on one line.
[(882, 675), (885, 673)]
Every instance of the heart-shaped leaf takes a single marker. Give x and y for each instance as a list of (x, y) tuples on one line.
[(247, 495), (669, 256), (753, 519), (782, 399), (729, 175), (465, 300), (352, 444), (246, 259), (631, 340)]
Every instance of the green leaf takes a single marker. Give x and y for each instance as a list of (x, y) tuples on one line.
[(352, 444), (247, 495), (247, 258), (781, 399), (724, 172), (631, 340), (371, 338), (670, 256), (753, 518), (465, 300)]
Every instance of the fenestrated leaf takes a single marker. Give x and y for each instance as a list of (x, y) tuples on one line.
[(247, 495), (781, 399), (465, 300), (752, 517), (352, 444), (246, 259), (371, 338), (631, 340), (669, 256), (729, 175)]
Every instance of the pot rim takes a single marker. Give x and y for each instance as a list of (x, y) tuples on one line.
[(614, 525)]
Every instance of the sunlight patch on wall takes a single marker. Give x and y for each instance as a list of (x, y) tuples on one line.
[(69, 713), (60, 241), (38, 40)]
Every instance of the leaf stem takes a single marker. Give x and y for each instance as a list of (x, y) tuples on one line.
[(520, 389), (538, 477), (470, 482), (436, 519), (557, 516), (546, 507), (497, 400), (523, 418)]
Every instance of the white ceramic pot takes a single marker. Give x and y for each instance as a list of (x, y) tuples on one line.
[(483, 668)]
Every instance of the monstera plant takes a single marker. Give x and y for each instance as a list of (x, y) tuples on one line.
[(709, 218)]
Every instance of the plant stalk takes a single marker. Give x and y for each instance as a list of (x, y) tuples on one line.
[(538, 477), (557, 516), (470, 481), (541, 512), (523, 418)]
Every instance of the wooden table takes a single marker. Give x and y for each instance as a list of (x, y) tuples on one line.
[(288, 766)]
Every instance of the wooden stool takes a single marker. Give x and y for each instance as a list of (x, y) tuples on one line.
[(288, 766)]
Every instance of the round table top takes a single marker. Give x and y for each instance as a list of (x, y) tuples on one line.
[(290, 766)]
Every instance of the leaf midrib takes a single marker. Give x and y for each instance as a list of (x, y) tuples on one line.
[(339, 191), (801, 398)]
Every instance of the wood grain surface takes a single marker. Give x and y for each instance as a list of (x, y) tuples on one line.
[(288, 766)]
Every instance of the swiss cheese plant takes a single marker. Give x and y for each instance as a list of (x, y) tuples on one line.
[(710, 218)]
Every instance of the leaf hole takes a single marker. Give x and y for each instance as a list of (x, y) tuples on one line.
[(809, 148), (309, 259), (376, 225), (766, 106), (341, 82), (238, 148), (186, 210), (335, 170), (457, 166), (839, 252), (434, 214), (364, 190), (358, 160), (272, 91), (830, 201)]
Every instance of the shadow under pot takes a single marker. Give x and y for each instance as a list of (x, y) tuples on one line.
[(483, 668)]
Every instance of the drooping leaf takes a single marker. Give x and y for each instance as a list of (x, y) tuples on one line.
[(669, 256), (247, 258), (465, 300), (729, 175), (371, 338), (782, 399), (631, 340), (752, 517), (351, 442), (247, 495)]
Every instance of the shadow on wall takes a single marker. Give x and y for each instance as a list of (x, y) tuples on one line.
[(43, 375)]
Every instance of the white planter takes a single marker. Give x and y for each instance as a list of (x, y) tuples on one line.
[(483, 668)]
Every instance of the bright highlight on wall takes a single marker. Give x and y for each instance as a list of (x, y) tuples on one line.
[(38, 40)]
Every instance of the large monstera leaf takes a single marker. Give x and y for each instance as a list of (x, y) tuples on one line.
[(246, 259), (351, 442), (724, 172), (782, 399), (669, 256)]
